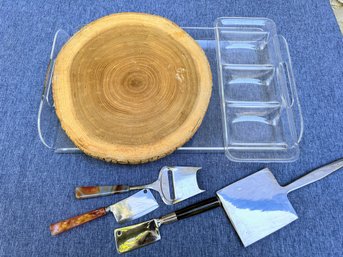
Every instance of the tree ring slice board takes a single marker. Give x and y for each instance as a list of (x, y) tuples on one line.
[(131, 87)]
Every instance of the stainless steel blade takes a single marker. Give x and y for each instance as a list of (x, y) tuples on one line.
[(134, 206), (183, 183), (257, 206), (136, 236)]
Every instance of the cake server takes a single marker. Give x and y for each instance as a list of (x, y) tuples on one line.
[(174, 184), (256, 206), (130, 208)]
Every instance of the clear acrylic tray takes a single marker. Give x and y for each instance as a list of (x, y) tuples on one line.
[(218, 121)]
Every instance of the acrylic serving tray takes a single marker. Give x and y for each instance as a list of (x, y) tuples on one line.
[(275, 116)]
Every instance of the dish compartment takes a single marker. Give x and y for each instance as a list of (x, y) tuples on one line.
[(250, 83)]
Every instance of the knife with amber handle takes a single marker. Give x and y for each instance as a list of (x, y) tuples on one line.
[(130, 208)]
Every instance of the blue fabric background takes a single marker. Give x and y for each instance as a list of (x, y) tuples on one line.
[(37, 185)]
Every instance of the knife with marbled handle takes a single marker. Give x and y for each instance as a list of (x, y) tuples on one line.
[(130, 208), (65, 225), (86, 192), (174, 183)]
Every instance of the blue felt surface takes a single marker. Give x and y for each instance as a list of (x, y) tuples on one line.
[(37, 185)]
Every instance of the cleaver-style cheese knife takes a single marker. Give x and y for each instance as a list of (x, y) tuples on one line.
[(130, 208)]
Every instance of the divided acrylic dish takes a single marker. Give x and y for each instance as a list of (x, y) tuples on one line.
[(259, 99)]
